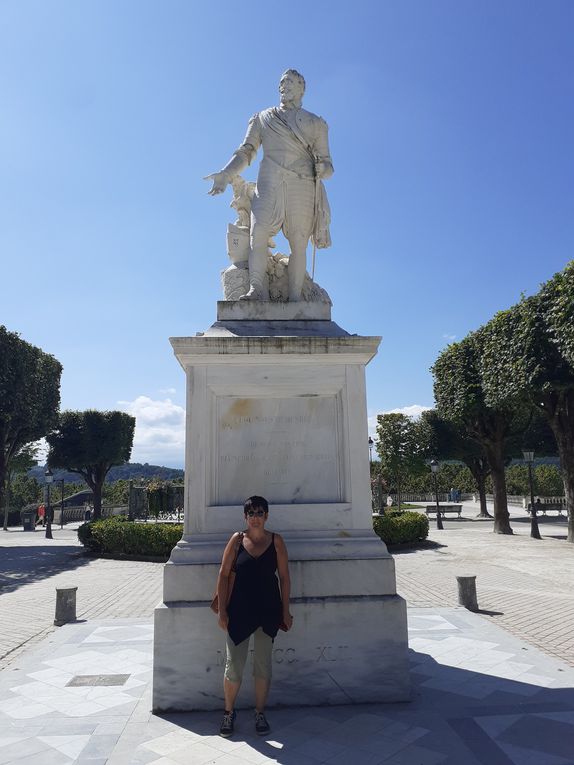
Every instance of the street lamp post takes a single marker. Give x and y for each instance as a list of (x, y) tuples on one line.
[(534, 530), (371, 444), (434, 469), (62, 505), (49, 476)]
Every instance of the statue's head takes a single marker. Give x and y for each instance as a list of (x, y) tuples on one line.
[(292, 85)]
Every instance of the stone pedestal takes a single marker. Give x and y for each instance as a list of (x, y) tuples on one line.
[(277, 407)]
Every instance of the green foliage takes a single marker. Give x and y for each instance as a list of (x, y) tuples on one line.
[(137, 471), (450, 475), (118, 536), (529, 353), (29, 396), (24, 491), (496, 427), (116, 493), (558, 296), (90, 443), (400, 527), (547, 480), (157, 497), (461, 380), (401, 447)]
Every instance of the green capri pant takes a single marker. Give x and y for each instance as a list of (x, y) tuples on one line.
[(236, 656)]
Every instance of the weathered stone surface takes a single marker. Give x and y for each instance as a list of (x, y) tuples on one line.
[(235, 283), (274, 327), (283, 415), (324, 660), (289, 194)]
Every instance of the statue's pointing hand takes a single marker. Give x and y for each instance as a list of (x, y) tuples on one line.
[(220, 181)]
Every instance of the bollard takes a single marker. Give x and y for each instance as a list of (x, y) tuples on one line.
[(65, 605), (467, 592)]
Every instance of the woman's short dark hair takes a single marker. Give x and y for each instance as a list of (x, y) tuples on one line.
[(256, 503)]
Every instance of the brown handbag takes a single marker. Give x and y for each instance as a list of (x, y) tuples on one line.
[(230, 582)]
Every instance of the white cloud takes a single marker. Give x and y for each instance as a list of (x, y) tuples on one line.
[(168, 391), (414, 410), (448, 337), (160, 430)]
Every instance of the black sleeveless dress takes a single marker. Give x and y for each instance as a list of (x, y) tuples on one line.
[(255, 601)]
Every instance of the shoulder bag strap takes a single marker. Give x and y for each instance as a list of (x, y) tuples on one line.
[(239, 541)]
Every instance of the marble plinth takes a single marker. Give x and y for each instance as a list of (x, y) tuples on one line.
[(276, 405), (256, 310), (341, 650)]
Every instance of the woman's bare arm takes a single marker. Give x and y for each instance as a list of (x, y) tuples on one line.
[(223, 578), (284, 578)]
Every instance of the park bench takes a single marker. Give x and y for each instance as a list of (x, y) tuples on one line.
[(557, 507), (445, 509)]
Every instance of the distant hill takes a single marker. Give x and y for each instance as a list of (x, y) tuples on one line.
[(127, 472)]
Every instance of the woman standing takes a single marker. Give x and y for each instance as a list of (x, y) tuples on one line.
[(258, 606)]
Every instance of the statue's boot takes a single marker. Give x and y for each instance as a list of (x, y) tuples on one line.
[(258, 277), (255, 293)]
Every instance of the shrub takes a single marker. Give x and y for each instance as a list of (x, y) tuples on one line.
[(399, 527), (119, 536)]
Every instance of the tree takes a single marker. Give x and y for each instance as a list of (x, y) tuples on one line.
[(401, 447), (90, 443), (460, 397), (530, 355), (29, 397), (449, 440), (19, 464)]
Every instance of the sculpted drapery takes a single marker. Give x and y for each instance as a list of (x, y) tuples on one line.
[(289, 194)]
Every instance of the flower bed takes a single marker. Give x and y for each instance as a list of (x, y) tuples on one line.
[(120, 537), (401, 527)]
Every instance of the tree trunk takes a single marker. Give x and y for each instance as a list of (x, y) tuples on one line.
[(495, 454), (6, 504), (479, 472), (481, 482), (398, 494), (562, 424), (3, 476), (569, 494), (97, 489)]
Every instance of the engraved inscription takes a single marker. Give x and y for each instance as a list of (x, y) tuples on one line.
[(333, 653), (279, 656), (286, 449)]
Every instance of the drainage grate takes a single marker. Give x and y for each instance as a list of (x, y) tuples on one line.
[(98, 680)]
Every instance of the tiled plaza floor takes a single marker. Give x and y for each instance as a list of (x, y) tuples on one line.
[(480, 695)]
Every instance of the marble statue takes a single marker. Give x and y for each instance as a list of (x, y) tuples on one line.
[(243, 193), (289, 194)]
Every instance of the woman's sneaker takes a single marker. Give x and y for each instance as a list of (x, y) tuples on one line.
[(226, 728), (261, 724)]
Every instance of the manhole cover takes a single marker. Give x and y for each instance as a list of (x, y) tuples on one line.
[(98, 680)]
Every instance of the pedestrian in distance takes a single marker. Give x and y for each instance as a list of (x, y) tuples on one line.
[(256, 561)]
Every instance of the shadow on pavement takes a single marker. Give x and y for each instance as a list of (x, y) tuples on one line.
[(22, 565), (428, 544), (484, 612), (468, 716)]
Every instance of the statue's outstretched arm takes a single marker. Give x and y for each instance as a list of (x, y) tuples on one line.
[(235, 166), (240, 159)]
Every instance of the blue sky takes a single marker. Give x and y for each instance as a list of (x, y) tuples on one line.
[(451, 127)]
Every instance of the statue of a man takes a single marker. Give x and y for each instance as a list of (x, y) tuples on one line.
[(290, 194)]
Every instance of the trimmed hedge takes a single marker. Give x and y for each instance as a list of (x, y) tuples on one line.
[(118, 536), (400, 527)]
